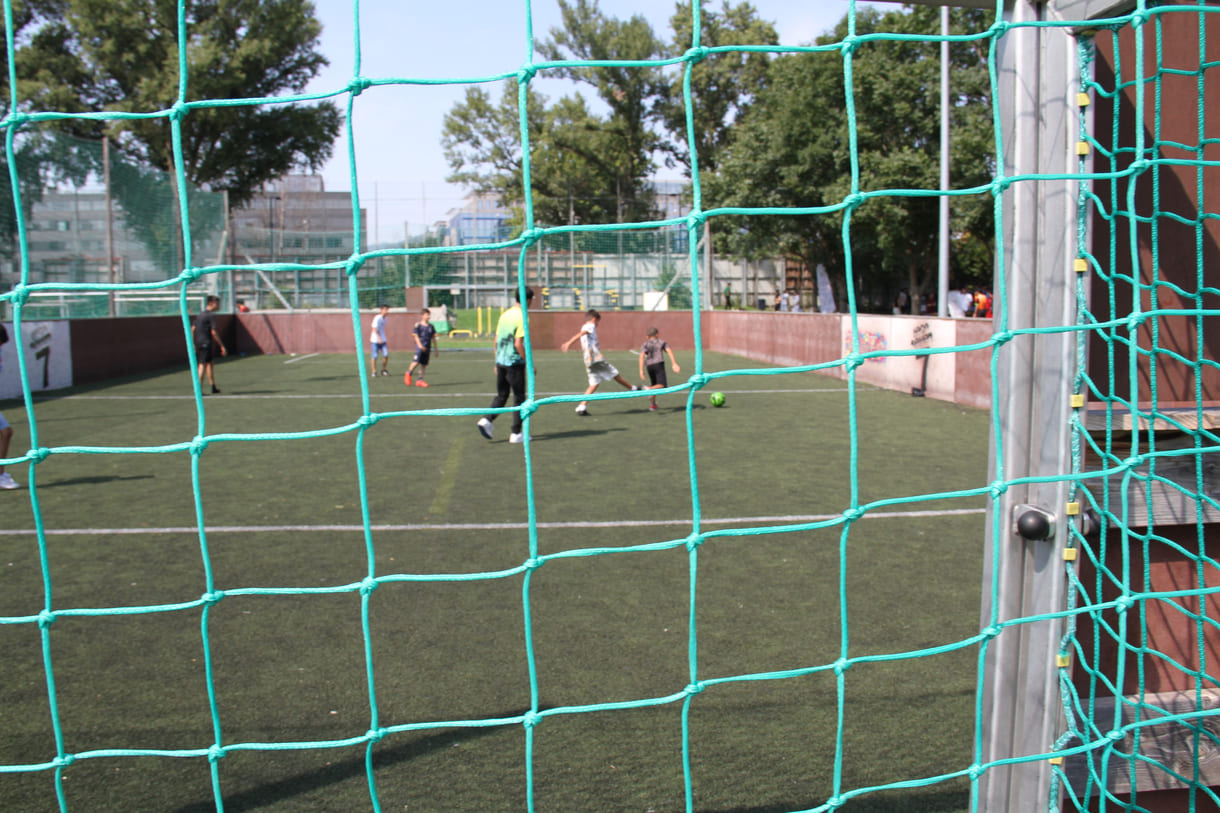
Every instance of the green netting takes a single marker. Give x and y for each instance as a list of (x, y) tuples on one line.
[(1112, 603)]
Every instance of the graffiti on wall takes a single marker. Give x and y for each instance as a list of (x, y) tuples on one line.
[(871, 341)]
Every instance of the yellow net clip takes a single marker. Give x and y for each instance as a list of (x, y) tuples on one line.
[(1073, 508), (1063, 661), (1077, 401), (1082, 148), (1082, 99), (1081, 265), (1056, 760), (1069, 554)]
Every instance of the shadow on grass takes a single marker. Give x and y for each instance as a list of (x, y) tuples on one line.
[(347, 769), (93, 480), (576, 433)]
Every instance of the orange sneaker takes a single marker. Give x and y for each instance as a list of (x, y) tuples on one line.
[(406, 379), (421, 383)]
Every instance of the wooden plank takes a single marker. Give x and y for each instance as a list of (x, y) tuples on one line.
[(1157, 503), (1169, 745), (1184, 418)]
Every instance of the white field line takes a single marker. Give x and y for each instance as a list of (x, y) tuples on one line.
[(791, 519), (295, 359), (413, 394)]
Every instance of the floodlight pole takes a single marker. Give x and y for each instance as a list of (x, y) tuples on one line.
[(1021, 713), (942, 277)]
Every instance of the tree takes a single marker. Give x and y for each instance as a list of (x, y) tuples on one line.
[(121, 56), (721, 85), (792, 149), (584, 167)]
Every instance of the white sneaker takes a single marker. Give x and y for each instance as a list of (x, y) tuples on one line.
[(485, 428), (7, 481), (516, 437), (581, 409)]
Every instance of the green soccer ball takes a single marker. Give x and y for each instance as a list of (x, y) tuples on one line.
[(717, 399)]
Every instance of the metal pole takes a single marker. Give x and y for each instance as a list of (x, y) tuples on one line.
[(109, 225), (942, 287), (1021, 713)]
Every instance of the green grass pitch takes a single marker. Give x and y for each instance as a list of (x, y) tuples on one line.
[(449, 514)]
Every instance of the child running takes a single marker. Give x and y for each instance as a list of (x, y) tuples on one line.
[(599, 369), (652, 357), (425, 341)]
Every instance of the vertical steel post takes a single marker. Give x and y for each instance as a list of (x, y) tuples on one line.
[(1021, 714)]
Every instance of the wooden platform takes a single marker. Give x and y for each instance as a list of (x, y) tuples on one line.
[(1173, 497), (1168, 744)]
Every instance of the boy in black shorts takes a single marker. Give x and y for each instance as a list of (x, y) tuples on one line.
[(425, 342), (652, 357)]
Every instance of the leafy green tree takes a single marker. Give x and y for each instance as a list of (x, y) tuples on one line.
[(121, 56), (721, 85), (584, 167), (679, 292), (792, 148)]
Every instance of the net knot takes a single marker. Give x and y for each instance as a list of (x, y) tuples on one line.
[(533, 563), (63, 761), (853, 360), (179, 110), (842, 665), (1133, 462), (976, 771), (854, 201), (531, 719), (1123, 603), (215, 753), (1003, 337), (999, 28), (213, 597), (532, 236), (190, 274), (1117, 735), (1140, 165), (853, 514), (15, 121), (368, 585), (375, 734), (526, 72), (694, 541), (695, 220), (699, 380), (1135, 320), (20, 294), (198, 445), (45, 619), (850, 44), (528, 408), (694, 55), (694, 688), (353, 266), (365, 421), (992, 631), (359, 85), (38, 455), (998, 489), (999, 186)]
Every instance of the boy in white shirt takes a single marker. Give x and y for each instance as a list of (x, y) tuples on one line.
[(598, 368), (377, 342)]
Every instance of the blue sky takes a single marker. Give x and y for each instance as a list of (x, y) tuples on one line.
[(400, 164)]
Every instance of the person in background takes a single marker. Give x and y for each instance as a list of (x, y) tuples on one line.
[(378, 346), (510, 367), (206, 341)]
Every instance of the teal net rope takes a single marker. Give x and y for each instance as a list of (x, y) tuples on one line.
[(1109, 598)]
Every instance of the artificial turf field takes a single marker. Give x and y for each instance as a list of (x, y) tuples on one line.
[(609, 607)]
